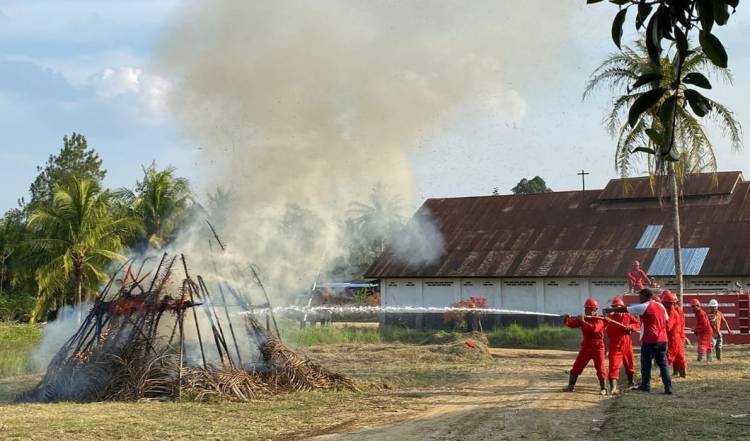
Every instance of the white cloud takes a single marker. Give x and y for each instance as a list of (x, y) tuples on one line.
[(112, 82), (147, 92)]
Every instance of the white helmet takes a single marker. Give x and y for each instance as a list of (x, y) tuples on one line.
[(713, 303)]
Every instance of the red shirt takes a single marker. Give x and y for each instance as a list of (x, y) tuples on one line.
[(619, 336), (654, 321), (638, 277), (592, 329), (702, 323), (676, 324)]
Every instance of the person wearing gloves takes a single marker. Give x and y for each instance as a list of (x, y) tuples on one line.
[(592, 346), (717, 319), (703, 331), (620, 345), (653, 338)]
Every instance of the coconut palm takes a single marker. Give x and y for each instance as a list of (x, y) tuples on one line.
[(376, 220), (620, 71), (161, 201), (76, 238), (630, 74)]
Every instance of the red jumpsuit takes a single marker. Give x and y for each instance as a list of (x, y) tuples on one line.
[(676, 338), (637, 279), (592, 345), (703, 331), (620, 344)]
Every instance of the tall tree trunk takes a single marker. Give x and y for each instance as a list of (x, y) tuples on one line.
[(674, 199), (78, 282)]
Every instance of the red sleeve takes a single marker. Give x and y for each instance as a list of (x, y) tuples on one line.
[(572, 322)]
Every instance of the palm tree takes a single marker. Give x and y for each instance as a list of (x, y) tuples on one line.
[(630, 74), (620, 71), (376, 220), (76, 237), (161, 201)]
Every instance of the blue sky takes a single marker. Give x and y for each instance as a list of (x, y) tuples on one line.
[(84, 66)]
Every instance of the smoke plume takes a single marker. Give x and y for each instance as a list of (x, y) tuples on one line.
[(299, 107)]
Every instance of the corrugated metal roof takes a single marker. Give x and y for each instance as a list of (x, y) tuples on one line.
[(649, 236), (699, 184), (570, 234), (663, 262)]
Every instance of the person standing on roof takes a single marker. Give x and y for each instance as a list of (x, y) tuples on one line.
[(653, 338), (716, 318), (675, 334), (637, 278), (703, 331), (620, 345), (592, 346)]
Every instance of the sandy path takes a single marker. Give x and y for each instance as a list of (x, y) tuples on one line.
[(521, 400)]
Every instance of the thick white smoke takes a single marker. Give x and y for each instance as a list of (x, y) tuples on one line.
[(301, 106)]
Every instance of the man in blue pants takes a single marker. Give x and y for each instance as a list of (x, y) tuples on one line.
[(653, 338)]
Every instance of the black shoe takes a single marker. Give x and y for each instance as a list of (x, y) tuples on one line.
[(668, 391), (642, 389)]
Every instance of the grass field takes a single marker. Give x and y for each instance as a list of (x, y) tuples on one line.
[(513, 336), (398, 381), (16, 344), (701, 408)]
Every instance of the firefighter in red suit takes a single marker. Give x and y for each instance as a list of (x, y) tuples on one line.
[(703, 331), (637, 278), (621, 345), (592, 346), (675, 334)]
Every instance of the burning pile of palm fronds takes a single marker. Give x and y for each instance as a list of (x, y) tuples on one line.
[(149, 337)]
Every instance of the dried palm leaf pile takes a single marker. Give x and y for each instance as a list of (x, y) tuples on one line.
[(151, 337)]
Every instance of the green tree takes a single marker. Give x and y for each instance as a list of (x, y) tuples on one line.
[(161, 202), (75, 159), (75, 238), (619, 73), (531, 186), (662, 106), (372, 223)]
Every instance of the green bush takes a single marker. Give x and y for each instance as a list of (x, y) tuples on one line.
[(543, 337), (16, 307), (17, 342), (513, 336), (328, 335)]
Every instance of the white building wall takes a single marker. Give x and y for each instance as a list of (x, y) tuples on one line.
[(519, 294), (401, 292), (487, 288), (441, 292), (551, 295)]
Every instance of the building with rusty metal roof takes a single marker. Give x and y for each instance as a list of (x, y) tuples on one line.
[(549, 251)]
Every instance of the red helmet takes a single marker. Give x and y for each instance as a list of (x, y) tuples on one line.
[(668, 297), (591, 303), (695, 302), (617, 301)]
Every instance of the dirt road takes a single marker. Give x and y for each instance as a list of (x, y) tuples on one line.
[(520, 399)]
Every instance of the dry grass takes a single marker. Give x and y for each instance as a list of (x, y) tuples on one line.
[(389, 377), (398, 380), (700, 409)]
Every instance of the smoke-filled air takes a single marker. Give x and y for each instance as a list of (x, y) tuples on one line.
[(300, 107)]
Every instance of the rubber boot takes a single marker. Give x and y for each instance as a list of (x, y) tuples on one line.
[(683, 373), (571, 383), (631, 383), (700, 356), (718, 354), (675, 371), (708, 357), (602, 388), (613, 387)]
